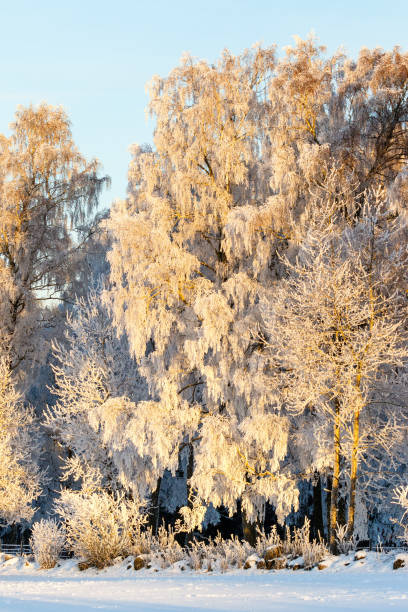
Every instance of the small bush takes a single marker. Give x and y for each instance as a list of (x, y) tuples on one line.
[(401, 499), (344, 543), (47, 541), (232, 552), (170, 549), (197, 553), (263, 542), (313, 553), (300, 545), (218, 553), (162, 550), (296, 544), (100, 527)]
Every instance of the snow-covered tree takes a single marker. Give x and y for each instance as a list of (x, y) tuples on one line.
[(253, 156), (332, 330), (20, 479), (93, 372), (47, 190), (335, 112), (193, 250)]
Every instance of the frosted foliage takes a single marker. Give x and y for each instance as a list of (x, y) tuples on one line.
[(266, 432), (332, 332), (247, 467), (192, 517), (401, 498), (47, 192), (332, 327), (47, 541), (92, 368), (332, 109), (99, 526), (190, 262), (255, 159), (144, 438), (310, 442), (117, 437), (19, 475)]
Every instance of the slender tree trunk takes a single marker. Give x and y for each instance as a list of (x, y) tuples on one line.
[(317, 518), (356, 430), (335, 480), (249, 529), (353, 472), (154, 513), (327, 503), (342, 500), (190, 469)]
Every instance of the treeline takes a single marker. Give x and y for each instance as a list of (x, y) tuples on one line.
[(232, 338)]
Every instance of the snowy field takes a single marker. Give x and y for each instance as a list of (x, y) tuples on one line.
[(368, 585)]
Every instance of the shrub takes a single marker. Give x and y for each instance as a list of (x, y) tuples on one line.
[(197, 553), (47, 541), (295, 544), (100, 527), (232, 552), (344, 543), (163, 549), (299, 545), (264, 541), (401, 499)]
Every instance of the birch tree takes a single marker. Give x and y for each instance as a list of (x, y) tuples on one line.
[(20, 479), (332, 331), (47, 190), (252, 156), (336, 112), (192, 254), (93, 371)]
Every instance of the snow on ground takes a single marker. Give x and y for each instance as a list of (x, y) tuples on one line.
[(369, 584)]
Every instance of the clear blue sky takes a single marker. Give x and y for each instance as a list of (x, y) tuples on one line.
[(94, 57)]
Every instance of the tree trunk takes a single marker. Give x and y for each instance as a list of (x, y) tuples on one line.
[(154, 511), (335, 480), (190, 469), (249, 530), (353, 472), (317, 518), (327, 500)]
